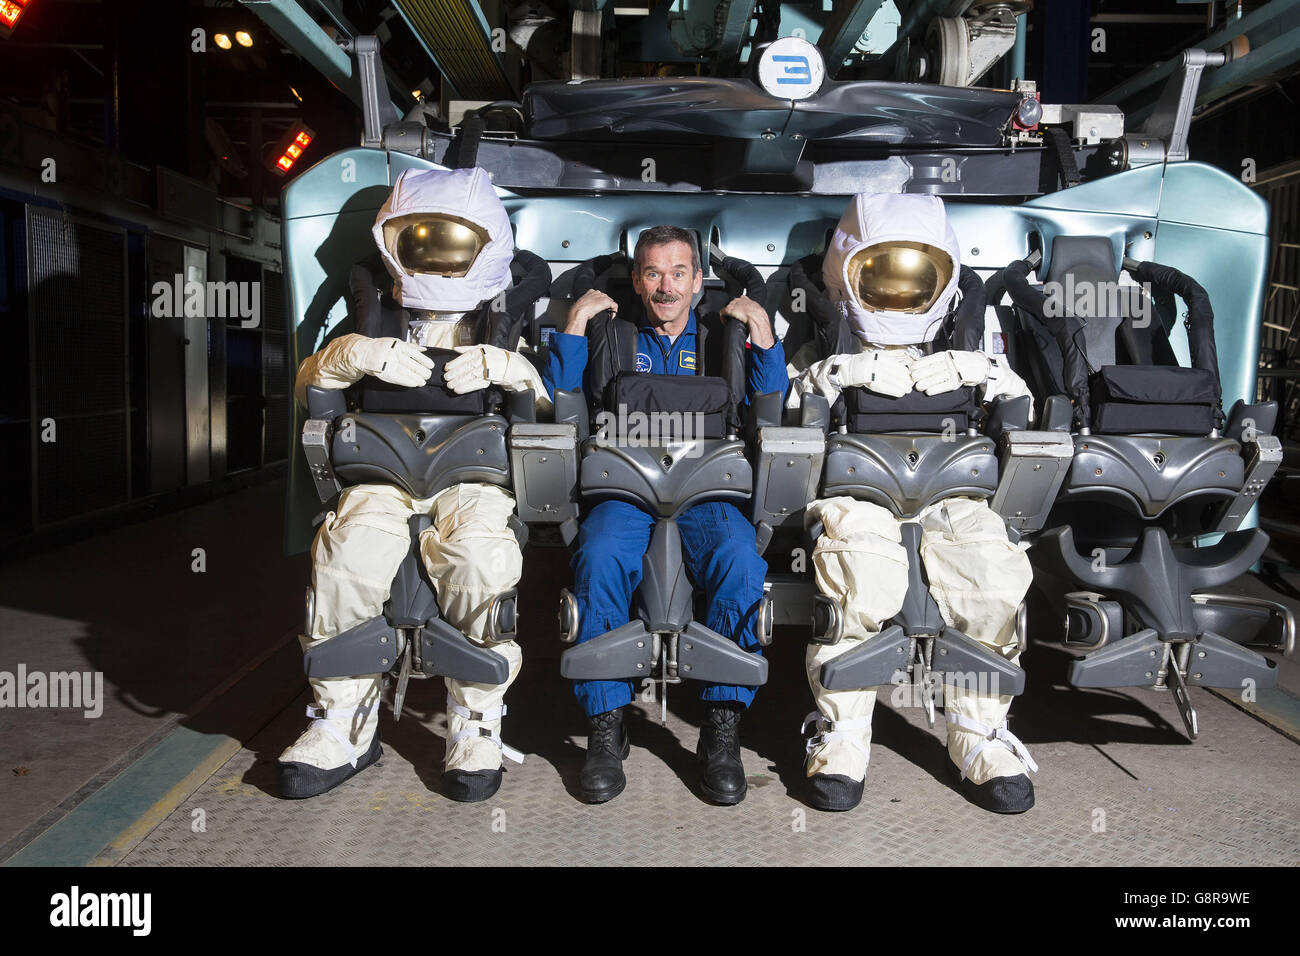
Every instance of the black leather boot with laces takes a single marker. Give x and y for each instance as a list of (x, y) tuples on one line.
[(722, 777), (607, 747)]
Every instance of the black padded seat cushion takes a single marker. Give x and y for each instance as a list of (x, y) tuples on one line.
[(869, 413), (432, 398), (649, 393), (1127, 399)]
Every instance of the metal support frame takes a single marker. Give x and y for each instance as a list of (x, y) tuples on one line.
[(1171, 117), (843, 31), (1272, 35), (457, 39), (376, 111), (300, 33), (735, 30)]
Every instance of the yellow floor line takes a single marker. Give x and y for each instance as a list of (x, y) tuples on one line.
[(125, 841)]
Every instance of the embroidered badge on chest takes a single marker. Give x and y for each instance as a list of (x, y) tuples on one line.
[(686, 360), (642, 362)]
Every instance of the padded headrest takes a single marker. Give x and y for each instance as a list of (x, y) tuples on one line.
[(1088, 258), (1090, 261)]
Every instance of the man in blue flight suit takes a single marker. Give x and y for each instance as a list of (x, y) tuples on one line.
[(717, 539)]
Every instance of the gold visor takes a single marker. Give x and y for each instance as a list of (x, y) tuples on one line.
[(899, 276), (434, 244)]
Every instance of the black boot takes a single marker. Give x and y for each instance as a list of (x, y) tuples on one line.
[(999, 795), (607, 747), (834, 792), (471, 786), (298, 781), (722, 778)]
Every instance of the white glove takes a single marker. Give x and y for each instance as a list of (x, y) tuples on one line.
[(884, 372), (479, 366), (946, 371), (389, 359)]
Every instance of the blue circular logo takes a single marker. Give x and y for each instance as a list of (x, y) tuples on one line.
[(642, 362)]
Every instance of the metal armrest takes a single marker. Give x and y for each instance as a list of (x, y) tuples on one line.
[(1058, 414), (325, 403), (571, 409), (1008, 414), (521, 406), (815, 412), (1033, 466), (765, 410)]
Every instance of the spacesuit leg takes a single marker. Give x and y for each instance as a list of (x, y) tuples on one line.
[(355, 555), (471, 555), (859, 561), (978, 579), (612, 540)]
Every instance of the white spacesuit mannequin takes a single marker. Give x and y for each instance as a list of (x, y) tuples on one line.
[(446, 240), (892, 269)]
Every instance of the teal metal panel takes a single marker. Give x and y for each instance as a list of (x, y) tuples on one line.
[(1205, 195), (1134, 192), (1189, 216), (1232, 267)]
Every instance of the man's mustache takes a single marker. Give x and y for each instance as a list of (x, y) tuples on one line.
[(664, 298)]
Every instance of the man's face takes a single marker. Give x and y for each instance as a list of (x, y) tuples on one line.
[(666, 282)]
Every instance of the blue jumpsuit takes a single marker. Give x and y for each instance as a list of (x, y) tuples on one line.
[(717, 539)]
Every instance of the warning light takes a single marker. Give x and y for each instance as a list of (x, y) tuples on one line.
[(243, 38), (290, 147), (221, 40), (10, 11)]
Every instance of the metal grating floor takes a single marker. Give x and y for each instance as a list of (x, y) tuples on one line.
[(1229, 799)]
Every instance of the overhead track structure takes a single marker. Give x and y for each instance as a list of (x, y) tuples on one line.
[(843, 30), (459, 42), (1262, 45), (305, 37)]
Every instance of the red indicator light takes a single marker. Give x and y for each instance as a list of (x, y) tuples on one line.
[(10, 11), (290, 148)]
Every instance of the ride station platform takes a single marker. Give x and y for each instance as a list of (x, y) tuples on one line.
[(1120, 783)]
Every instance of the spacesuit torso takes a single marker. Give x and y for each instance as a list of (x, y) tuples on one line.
[(891, 271)]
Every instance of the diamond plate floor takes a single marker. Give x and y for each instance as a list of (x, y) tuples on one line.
[(1119, 784)]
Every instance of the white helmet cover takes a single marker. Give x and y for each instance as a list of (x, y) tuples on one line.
[(467, 194), (873, 218)]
